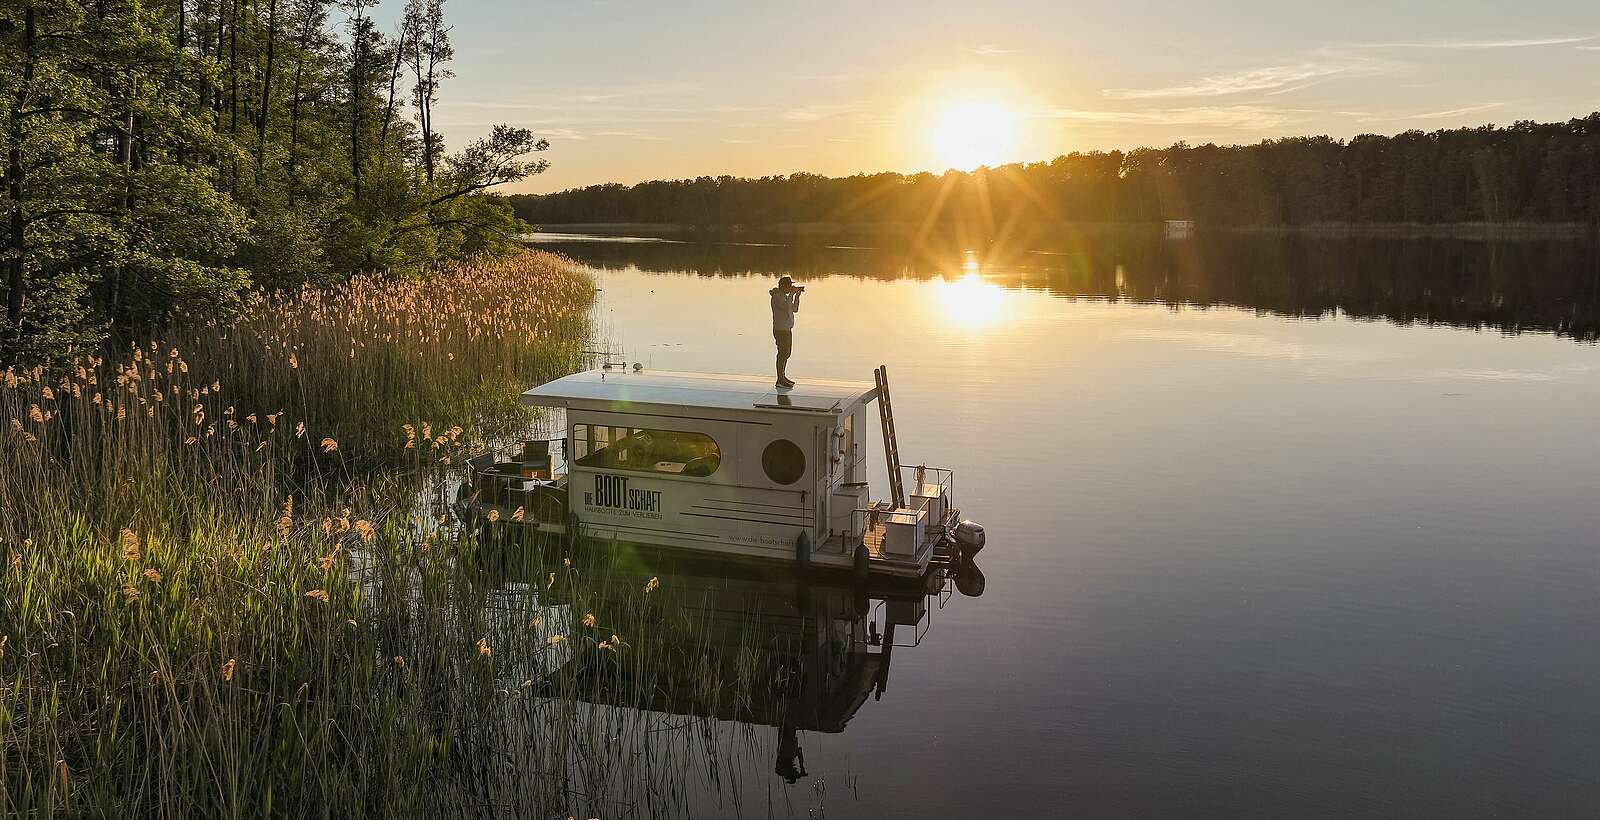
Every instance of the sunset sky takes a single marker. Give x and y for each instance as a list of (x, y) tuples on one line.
[(628, 91)]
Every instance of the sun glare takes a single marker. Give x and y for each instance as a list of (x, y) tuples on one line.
[(966, 135), (969, 301)]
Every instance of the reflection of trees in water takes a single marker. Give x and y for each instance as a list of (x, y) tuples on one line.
[(1512, 286)]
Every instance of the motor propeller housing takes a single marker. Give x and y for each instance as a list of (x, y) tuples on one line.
[(969, 537)]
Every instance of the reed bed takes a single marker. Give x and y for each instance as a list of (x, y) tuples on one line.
[(217, 598), (356, 361)]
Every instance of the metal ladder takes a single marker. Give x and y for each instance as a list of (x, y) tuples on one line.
[(891, 446)]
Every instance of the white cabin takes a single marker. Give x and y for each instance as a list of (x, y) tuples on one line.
[(727, 464)]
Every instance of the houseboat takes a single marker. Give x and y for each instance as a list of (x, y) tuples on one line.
[(726, 465)]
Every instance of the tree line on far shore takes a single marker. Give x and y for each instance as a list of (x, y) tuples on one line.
[(167, 158), (1526, 172)]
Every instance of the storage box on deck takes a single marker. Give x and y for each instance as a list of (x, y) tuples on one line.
[(933, 499), (904, 531), (847, 498)]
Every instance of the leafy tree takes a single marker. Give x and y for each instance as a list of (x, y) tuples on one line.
[(427, 50), (164, 158), (104, 215)]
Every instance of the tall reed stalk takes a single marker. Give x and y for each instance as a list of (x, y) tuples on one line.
[(216, 598)]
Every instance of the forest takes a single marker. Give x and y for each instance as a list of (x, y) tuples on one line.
[(1527, 172), (169, 159)]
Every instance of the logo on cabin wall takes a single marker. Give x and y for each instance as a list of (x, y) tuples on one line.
[(612, 494)]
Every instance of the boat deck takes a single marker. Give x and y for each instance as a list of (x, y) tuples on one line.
[(875, 535), (511, 497)]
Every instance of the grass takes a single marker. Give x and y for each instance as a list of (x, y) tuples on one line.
[(218, 597)]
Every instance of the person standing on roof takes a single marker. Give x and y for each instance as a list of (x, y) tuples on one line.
[(785, 304)]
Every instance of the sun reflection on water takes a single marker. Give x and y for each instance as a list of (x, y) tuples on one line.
[(969, 301)]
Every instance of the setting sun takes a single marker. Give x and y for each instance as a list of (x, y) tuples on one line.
[(966, 135)]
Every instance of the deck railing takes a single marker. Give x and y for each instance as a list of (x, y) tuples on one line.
[(530, 482), (889, 532), (931, 489), (921, 475)]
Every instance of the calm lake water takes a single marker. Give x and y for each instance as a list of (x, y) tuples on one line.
[(1276, 527)]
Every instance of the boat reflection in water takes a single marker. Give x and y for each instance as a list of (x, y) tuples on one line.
[(753, 646)]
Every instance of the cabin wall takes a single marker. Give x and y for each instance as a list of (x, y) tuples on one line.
[(744, 503)]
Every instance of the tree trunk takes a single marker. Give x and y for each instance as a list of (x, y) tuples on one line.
[(233, 90), (182, 40), (233, 70), (308, 27), (294, 125), (394, 80), (16, 293), (216, 90), (425, 112), (266, 87), (202, 11), (125, 159), (355, 106), (202, 90)]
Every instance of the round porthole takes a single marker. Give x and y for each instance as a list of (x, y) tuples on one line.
[(783, 461)]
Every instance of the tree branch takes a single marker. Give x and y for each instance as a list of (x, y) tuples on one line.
[(461, 192)]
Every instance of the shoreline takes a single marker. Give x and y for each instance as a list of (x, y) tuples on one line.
[(833, 232)]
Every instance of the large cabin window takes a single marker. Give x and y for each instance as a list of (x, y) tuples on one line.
[(651, 451)]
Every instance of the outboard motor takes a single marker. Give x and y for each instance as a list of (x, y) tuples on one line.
[(969, 538)]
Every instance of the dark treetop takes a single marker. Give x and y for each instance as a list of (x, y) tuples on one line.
[(1526, 172)]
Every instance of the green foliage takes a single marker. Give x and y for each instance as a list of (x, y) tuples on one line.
[(164, 159)]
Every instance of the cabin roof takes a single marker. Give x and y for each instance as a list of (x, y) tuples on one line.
[(619, 389)]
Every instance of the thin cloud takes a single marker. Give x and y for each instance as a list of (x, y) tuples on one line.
[(631, 133), (1231, 117), (638, 90), (990, 50), (643, 109), (1474, 45), (1275, 79), (1435, 115), (732, 141), (1455, 112), (829, 78), (823, 111)]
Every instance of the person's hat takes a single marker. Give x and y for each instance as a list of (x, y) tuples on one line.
[(785, 283)]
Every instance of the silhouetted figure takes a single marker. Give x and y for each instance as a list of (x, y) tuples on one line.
[(785, 304), (791, 758)]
